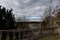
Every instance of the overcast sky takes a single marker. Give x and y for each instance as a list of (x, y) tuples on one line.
[(28, 7)]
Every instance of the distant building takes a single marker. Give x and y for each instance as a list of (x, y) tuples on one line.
[(49, 29)]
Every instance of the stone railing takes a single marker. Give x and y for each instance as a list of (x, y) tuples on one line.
[(30, 34)]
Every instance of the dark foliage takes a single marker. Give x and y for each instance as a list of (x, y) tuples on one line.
[(7, 20)]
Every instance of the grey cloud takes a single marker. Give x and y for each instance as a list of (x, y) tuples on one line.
[(28, 7)]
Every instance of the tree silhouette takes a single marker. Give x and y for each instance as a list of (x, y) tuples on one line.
[(3, 18), (10, 20), (7, 21), (0, 18)]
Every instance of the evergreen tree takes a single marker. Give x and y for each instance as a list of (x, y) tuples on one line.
[(10, 20), (7, 20), (0, 18), (3, 18)]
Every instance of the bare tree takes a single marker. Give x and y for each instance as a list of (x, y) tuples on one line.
[(49, 18)]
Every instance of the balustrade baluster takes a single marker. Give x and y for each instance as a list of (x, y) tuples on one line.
[(7, 37), (18, 35), (14, 38)]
